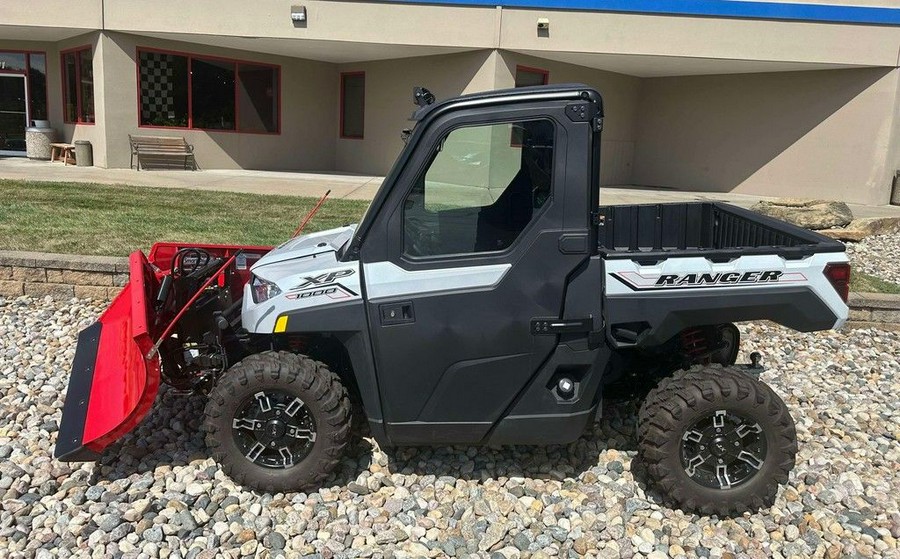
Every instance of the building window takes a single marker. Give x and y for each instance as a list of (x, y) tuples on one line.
[(37, 85), (353, 104), (194, 92), (258, 98), (164, 89), (527, 77), (78, 86), (34, 66), (212, 93)]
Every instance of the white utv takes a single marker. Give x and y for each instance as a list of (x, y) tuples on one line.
[(486, 297)]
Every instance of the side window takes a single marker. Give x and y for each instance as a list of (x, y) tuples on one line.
[(479, 192)]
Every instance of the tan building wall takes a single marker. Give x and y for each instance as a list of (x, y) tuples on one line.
[(52, 15), (389, 87), (609, 35), (333, 22), (811, 134), (309, 98), (721, 104), (328, 21), (620, 99)]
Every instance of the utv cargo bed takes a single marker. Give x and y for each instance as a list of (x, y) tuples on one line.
[(702, 229)]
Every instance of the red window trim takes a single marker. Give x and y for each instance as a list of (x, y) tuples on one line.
[(62, 68), (190, 59), (27, 73), (533, 70), (344, 75)]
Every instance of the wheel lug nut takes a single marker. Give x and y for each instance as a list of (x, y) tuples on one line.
[(273, 444), (721, 461), (737, 443)]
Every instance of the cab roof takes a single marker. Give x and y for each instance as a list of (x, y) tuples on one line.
[(570, 91)]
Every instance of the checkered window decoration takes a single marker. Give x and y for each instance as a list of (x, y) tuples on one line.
[(157, 88)]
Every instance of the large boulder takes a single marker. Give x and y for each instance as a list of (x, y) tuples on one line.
[(861, 228), (808, 213)]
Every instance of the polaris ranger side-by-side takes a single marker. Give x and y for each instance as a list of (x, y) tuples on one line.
[(485, 297)]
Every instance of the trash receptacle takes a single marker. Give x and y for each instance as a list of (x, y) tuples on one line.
[(84, 154), (37, 142)]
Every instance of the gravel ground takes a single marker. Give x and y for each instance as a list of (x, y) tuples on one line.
[(157, 494), (878, 255)]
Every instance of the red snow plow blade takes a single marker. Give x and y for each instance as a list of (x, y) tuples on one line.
[(115, 375), (112, 384)]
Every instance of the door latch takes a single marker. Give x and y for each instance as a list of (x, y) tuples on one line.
[(396, 313)]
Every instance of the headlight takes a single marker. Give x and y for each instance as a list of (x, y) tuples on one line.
[(263, 290)]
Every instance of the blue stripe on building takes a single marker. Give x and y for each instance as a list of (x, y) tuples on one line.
[(870, 15)]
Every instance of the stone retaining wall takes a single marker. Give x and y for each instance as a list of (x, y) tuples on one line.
[(61, 275), (874, 309), (102, 277)]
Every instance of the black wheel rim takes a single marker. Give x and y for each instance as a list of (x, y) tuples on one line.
[(723, 450), (274, 429)]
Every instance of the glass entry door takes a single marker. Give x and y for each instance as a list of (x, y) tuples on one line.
[(13, 114)]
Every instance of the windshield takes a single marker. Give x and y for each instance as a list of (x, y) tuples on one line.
[(364, 219)]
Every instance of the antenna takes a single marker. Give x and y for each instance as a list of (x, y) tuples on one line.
[(311, 213)]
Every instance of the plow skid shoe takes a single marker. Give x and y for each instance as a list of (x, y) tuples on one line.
[(112, 384)]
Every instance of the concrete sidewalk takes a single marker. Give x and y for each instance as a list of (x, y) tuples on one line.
[(354, 187)]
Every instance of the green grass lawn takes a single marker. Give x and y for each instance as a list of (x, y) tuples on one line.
[(865, 283), (116, 220)]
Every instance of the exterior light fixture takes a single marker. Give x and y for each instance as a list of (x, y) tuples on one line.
[(298, 14)]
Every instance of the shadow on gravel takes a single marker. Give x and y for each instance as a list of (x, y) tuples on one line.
[(171, 436)]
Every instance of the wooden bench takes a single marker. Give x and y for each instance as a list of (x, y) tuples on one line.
[(161, 148), (66, 152)]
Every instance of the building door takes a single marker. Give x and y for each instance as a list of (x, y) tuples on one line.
[(13, 114)]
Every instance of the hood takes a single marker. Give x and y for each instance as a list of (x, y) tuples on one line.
[(308, 245)]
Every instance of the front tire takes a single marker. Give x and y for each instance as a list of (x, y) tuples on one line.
[(716, 441), (278, 422)]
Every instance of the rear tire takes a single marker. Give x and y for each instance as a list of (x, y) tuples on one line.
[(716, 441), (278, 422)]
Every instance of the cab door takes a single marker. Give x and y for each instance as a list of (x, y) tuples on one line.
[(467, 251)]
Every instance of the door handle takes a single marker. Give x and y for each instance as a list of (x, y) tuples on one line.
[(396, 313)]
